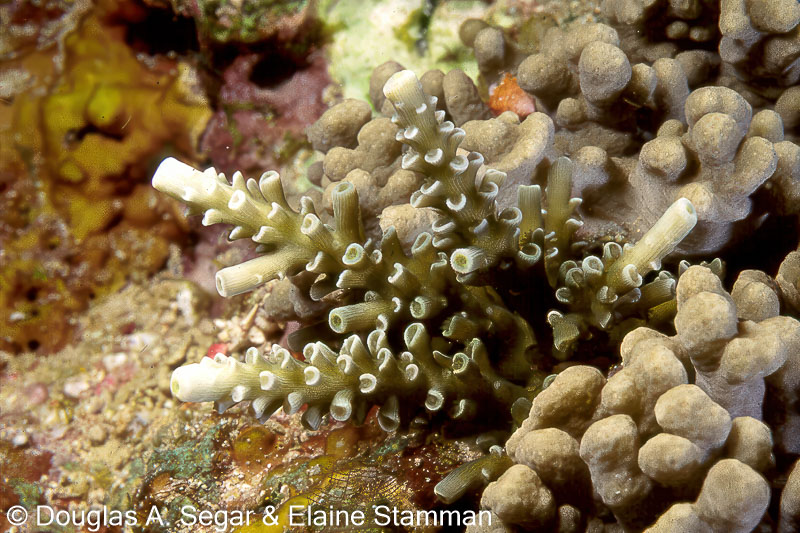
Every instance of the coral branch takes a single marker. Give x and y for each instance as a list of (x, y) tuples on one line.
[(348, 382)]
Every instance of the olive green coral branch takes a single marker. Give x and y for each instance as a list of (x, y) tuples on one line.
[(597, 290), (348, 382), (436, 288), (292, 241), (470, 226), (393, 287)]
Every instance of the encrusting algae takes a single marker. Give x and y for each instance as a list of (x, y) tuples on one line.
[(74, 148)]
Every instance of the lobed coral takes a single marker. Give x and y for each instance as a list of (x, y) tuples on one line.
[(421, 35), (660, 29), (614, 96), (678, 439), (757, 39)]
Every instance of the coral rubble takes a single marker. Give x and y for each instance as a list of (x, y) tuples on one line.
[(100, 427)]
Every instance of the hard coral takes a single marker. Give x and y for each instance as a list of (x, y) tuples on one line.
[(761, 41), (653, 29), (608, 107), (717, 160), (756, 40), (463, 347), (488, 231), (681, 424)]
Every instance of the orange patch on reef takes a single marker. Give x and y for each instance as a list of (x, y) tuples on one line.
[(509, 96), (217, 347)]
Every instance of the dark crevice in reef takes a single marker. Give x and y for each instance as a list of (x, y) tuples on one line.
[(114, 221), (656, 33), (274, 69), (275, 66), (767, 247), (533, 299), (76, 136), (161, 31)]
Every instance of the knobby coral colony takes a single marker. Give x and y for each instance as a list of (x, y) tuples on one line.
[(436, 327)]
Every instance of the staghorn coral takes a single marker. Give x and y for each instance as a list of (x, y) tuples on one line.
[(677, 440), (372, 160), (475, 237), (464, 350), (575, 281), (516, 236), (494, 204)]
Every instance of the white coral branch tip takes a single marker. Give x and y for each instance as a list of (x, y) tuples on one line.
[(199, 382), (172, 176)]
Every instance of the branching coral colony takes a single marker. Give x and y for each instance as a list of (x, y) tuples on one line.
[(440, 327), (445, 287)]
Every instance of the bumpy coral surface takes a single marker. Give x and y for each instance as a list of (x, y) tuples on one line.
[(678, 439), (627, 89)]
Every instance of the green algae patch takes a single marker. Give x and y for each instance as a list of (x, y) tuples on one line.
[(30, 494), (191, 458), (246, 22)]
